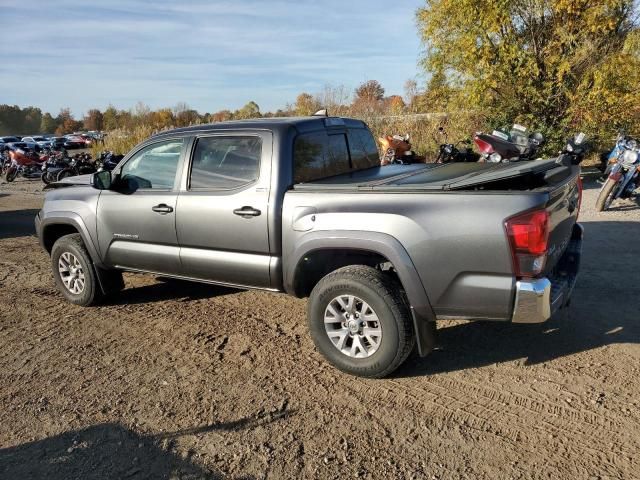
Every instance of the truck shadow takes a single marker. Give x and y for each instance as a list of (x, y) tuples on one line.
[(17, 223), (110, 450), (168, 289), (604, 311)]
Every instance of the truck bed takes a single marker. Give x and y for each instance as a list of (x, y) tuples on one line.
[(450, 219), (529, 175)]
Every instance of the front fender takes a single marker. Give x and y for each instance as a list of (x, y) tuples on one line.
[(51, 219)]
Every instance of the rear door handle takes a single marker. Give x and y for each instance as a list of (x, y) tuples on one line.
[(247, 212), (162, 208)]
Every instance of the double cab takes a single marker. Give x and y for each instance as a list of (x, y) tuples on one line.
[(302, 206)]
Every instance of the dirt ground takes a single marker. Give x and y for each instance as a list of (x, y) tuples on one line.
[(180, 380)]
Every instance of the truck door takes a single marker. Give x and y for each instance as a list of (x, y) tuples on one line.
[(222, 210), (136, 219)]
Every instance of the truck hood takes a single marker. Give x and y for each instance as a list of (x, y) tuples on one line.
[(83, 180)]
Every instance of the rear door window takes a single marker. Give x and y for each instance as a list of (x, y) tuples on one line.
[(225, 162)]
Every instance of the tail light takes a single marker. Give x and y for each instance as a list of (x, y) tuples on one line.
[(528, 235), (484, 147)]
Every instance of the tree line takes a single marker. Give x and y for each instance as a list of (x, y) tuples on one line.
[(557, 66), (367, 99)]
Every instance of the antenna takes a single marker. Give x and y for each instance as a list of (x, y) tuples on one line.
[(321, 113)]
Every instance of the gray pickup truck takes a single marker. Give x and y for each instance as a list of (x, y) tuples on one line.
[(301, 205)]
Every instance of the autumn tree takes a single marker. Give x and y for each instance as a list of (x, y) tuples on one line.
[(306, 104), (66, 122), (162, 118), (368, 97), (93, 120), (394, 104), (558, 65), (222, 116)]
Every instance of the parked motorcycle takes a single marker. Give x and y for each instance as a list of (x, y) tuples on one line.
[(397, 150), (607, 159), (107, 160), (574, 150), (57, 162), (517, 145), (80, 164), (5, 161), (451, 152), (25, 162), (623, 177)]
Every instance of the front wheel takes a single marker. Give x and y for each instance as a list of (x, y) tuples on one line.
[(11, 174), (47, 177), (73, 271), (360, 321), (64, 174), (604, 198)]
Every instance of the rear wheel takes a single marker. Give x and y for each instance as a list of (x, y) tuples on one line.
[(359, 319), (73, 271), (605, 197)]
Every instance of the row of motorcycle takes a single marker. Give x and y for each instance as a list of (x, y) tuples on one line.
[(620, 165), (52, 165), (502, 146)]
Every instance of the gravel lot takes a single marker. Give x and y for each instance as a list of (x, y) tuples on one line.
[(179, 380)]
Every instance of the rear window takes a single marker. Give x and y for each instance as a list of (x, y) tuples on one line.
[(319, 155), (364, 151)]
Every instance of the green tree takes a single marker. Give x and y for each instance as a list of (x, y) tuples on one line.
[(110, 118), (556, 65), (48, 124), (250, 110)]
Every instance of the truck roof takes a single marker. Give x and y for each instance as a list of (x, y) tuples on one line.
[(301, 124)]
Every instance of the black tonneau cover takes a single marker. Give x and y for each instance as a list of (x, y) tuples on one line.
[(434, 176)]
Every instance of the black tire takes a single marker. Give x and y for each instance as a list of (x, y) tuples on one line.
[(73, 244), (385, 296), (605, 193), (65, 174), (11, 174), (47, 178)]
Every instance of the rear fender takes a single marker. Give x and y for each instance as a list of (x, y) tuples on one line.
[(386, 246)]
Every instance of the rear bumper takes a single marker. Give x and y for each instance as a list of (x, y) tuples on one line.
[(537, 299)]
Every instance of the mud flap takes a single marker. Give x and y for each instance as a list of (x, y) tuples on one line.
[(425, 331), (110, 281)]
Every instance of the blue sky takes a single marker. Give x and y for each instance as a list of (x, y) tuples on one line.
[(210, 54)]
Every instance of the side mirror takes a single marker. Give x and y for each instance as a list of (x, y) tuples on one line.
[(101, 180)]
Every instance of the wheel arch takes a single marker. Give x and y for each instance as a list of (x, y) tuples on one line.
[(357, 247), (58, 224)]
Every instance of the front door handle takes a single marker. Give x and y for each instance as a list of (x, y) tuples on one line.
[(247, 212), (162, 208)]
